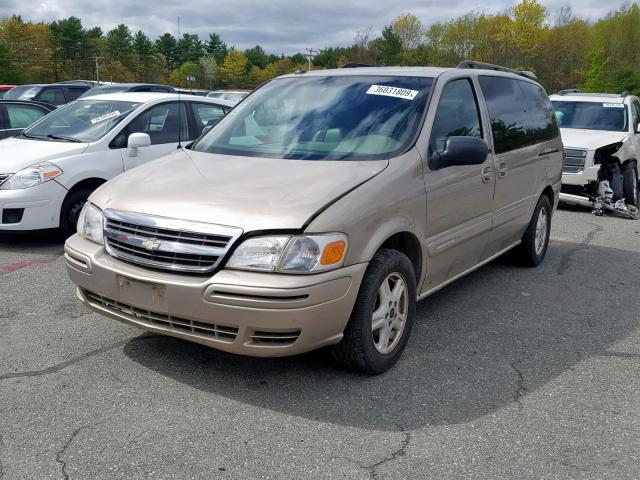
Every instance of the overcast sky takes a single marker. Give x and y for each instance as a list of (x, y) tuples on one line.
[(280, 26)]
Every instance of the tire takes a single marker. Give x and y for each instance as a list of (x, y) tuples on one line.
[(70, 211), (535, 240), (363, 347), (630, 184)]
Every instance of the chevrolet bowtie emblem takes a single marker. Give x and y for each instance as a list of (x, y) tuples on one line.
[(151, 244)]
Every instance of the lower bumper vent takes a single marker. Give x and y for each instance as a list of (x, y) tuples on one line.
[(218, 332), (275, 338)]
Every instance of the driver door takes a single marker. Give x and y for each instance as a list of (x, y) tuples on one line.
[(459, 198), (166, 124)]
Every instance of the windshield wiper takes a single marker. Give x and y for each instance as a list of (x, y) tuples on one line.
[(26, 135), (60, 137)]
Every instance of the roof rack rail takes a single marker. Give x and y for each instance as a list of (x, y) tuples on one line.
[(569, 90), (626, 93), (490, 66), (357, 65)]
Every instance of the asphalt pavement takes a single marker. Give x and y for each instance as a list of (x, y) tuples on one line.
[(510, 373)]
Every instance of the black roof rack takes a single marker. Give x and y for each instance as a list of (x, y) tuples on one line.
[(490, 66), (626, 93), (357, 65), (569, 90)]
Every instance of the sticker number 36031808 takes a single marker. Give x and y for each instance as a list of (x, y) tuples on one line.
[(392, 92)]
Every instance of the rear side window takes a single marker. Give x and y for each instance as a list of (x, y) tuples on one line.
[(520, 115), (207, 115), (457, 115), (75, 92), (54, 96), (540, 121), (21, 116)]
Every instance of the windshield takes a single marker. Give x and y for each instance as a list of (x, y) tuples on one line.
[(26, 92), (316, 118), (81, 121), (591, 115), (104, 89)]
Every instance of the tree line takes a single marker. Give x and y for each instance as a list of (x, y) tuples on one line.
[(564, 50)]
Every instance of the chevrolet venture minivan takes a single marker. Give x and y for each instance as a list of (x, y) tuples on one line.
[(322, 208)]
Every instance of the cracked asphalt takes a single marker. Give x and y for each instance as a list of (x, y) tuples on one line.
[(510, 373)]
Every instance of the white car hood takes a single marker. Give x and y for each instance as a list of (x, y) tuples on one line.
[(19, 153), (590, 139)]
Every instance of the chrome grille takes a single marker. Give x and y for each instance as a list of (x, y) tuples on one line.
[(574, 160), (218, 332), (167, 243), (3, 177)]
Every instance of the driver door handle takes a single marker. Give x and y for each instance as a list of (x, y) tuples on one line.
[(502, 169), (486, 174)]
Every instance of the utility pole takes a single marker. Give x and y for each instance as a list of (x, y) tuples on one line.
[(311, 52), (97, 59)]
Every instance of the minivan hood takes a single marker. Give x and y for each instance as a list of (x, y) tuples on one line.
[(19, 153), (589, 139), (246, 192)]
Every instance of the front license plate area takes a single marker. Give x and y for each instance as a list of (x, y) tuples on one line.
[(144, 295)]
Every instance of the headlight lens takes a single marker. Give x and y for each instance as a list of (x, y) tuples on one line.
[(32, 176), (259, 253), (298, 254), (90, 223)]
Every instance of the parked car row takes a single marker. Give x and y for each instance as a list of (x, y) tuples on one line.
[(64, 92)]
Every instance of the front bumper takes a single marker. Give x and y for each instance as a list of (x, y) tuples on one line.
[(249, 313), (41, 205)]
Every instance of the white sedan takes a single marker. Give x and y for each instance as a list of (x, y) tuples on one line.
[(47, 173)]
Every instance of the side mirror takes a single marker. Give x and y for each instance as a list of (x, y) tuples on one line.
[(460, 151), (137, 140)]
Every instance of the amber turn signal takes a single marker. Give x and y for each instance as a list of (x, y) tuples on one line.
[(333, 253)]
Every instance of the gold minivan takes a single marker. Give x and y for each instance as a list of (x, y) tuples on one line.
[(323, 207)]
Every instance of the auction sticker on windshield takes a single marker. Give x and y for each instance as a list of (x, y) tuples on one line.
[(104, 117), (613, 105), (392, 92)]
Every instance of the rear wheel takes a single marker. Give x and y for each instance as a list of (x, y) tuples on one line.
[(70, 211), (535, 240), (630, 184), (382, 317)]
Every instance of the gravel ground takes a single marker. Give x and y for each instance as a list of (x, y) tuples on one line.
[(510, 373)]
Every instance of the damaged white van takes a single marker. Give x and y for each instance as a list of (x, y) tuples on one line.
[(601, 136)]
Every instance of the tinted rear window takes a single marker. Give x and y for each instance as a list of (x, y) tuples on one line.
[(520, 112)]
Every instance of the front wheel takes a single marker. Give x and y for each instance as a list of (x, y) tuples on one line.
[(382, 317), (70, 211), (535, 240), (630, 185)]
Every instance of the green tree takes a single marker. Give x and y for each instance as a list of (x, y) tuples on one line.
[(256, 56), (190, 48), (167, 46), (232, 72), (388, 47), (120, 44), (217, 48), (209, 68), (143, 52)]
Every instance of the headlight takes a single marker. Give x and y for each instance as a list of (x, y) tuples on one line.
[(32, 176), (90, 223), (287, 254)]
